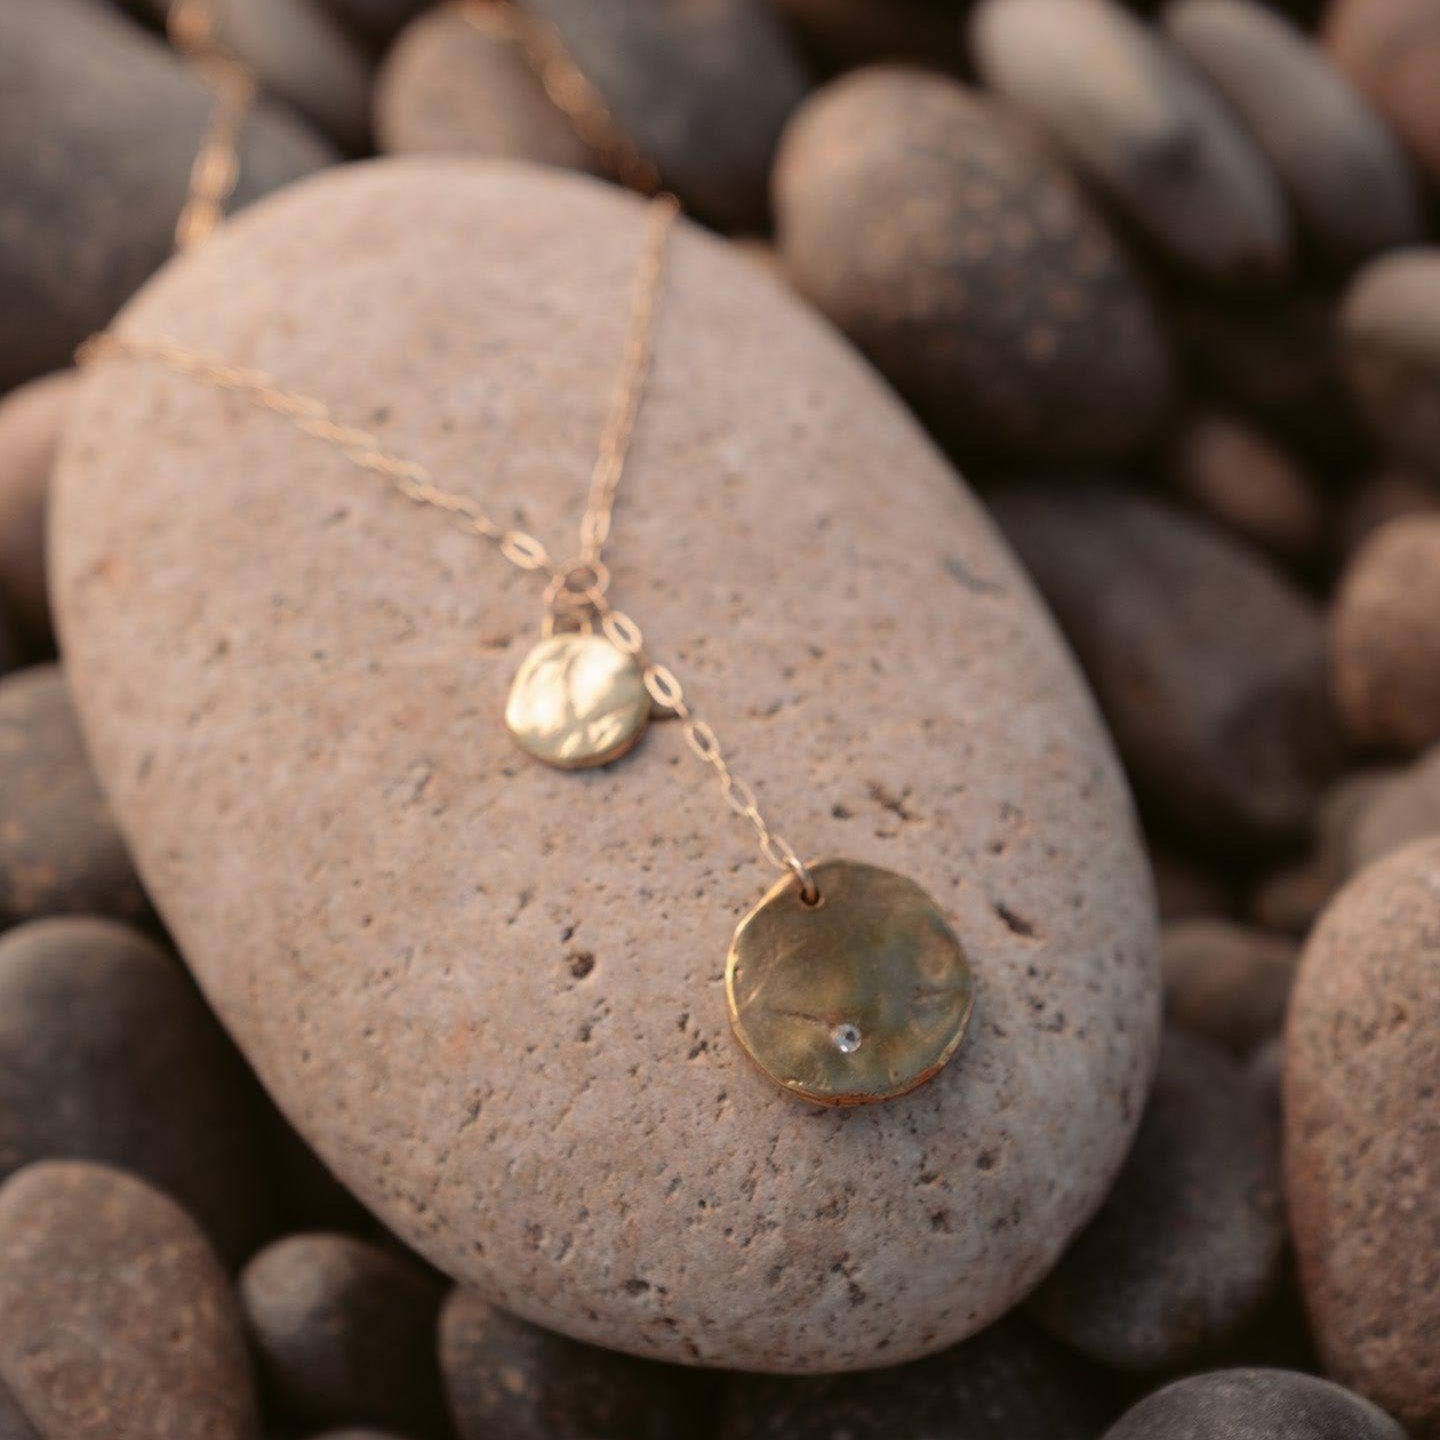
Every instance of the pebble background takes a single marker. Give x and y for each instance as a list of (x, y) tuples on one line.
[(1163, 281)]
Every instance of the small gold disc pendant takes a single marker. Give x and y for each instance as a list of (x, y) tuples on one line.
[(577, 701), (860, 998)]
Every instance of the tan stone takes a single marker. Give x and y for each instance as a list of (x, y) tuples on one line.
[(491, 993)]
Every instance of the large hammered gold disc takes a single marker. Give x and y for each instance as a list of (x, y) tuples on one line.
[(577, 701), (858, 999)]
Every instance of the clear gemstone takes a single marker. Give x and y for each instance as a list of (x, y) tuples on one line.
[(846, 1038)]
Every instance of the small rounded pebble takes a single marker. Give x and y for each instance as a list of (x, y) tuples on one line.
[(1225, 981), (451, 86), (1347, 176), (99, 127), (1389, 339), (1384, 495), (702, 88), (1401, 808), (30, 424), (300, 54), (60, 852), (506, 1377), (1254, 1405), (1250, 484), (108, 1053), (1391, 50), (1287, 900), (117, 1321), (1226, 729), (1188, 1244), (1001, 307), (344, 1332), (1134, 117), (1009, 1381), (1362, 1134), (1385, 638)]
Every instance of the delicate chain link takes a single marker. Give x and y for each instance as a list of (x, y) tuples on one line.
[(216, 169), (569, 89), (574, 590)]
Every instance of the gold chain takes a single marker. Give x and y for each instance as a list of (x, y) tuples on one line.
[(569, 89), (216, 169), (576, 592)]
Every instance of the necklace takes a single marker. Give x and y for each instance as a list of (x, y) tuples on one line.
[(844, 984)]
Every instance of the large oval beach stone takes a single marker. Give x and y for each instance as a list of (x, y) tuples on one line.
[(489, 993)]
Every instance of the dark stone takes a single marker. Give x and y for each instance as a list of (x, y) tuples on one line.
[(344, 1332), (108, 1053), (1001, 307), (1149, 131), (1389, 339), (843, 34), (506, 1377), (1008, 1381), (1347, 176), (702, 87), (1187, 1247), (99, 125), (60, 852), (1209, 665), (1254, 1405), (117, 1321)]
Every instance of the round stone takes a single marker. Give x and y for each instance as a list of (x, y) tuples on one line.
[(860, 997), (455, 988), (577, 701)]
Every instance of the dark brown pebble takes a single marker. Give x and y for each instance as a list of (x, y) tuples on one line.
[(117, 1321), (31, 420), (301, 55), (1209, 665), (99, 126), (1250, 484), (1389, 344), (1385, 638), (1391, 50), (1184, 887), (1254, 1405), (702, 87), (60, 852), (1225, 981), (1001, 307), (1348, 178), (1362, 1134), (506, 1377), (1008, 1381), (844, 34), (1145, 127), (344, 1332), (108, 1053), (1187, 1246), (450, 87)]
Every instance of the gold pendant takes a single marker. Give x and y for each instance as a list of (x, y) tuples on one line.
[(577, 701), (860, 998)]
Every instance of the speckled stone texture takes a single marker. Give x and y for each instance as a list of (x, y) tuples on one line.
[(116, 1318), (1362, 1134), (491, 994), (1254, 1405)]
